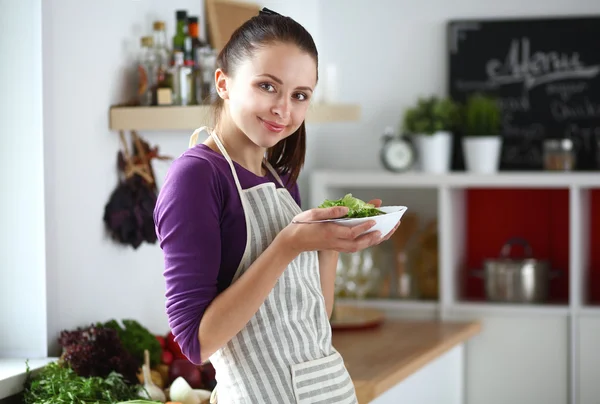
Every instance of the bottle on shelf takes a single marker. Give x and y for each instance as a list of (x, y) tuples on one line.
[(163, 57), (194, 33), (207, 61), (146, 67), (181, 79), (181, 40)]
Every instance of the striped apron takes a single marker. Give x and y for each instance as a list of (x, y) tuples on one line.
[(284, 353)]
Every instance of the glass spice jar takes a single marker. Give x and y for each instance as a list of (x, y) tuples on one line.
[(559, 155)]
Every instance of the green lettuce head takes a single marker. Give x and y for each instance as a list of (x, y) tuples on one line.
[(356, 207)]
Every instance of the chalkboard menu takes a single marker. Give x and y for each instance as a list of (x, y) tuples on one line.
[(546, 75)]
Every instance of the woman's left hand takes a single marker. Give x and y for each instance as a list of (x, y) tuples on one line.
[(377, 203)]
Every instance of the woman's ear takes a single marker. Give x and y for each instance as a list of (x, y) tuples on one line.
[(222, 83)]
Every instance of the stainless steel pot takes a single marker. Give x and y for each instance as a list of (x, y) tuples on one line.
[(512, 280)]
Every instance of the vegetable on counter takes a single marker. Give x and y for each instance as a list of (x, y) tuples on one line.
[(97, 351), (182, 392), (356, 207), (100, 364), (150, 390), (136, 339), (59, 384), (175, 364)]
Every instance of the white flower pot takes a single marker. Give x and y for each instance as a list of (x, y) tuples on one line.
[(482, 153), (434, 152)]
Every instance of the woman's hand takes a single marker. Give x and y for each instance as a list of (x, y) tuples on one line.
[(300, 237), (377, 203)]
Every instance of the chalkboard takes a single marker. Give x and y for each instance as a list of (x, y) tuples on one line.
[(546, 75)]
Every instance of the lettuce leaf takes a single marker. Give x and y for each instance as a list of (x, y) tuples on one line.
[(356, 207)]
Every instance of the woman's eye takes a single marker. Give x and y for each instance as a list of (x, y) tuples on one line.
[(301, 97), (267, 87)]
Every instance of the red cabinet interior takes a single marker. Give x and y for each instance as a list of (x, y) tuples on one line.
[(541, 216), (593, 281)]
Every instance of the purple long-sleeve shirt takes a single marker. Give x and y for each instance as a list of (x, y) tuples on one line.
[(201, 229)]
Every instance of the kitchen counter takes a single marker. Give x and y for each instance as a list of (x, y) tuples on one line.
[(378, 359)]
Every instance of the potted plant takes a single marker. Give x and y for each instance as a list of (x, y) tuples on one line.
[(431, 122), (481, 128)]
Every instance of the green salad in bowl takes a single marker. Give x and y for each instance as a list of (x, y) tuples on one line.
[(385, 217), (356, 207)]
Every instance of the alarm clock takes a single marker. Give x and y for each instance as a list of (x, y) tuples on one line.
[(397, 152)]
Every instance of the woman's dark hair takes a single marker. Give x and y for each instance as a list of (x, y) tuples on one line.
[(268, 27)]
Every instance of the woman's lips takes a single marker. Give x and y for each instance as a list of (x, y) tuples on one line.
[(272, 126)]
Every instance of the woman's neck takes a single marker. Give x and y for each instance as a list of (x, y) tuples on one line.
[(239, 147)]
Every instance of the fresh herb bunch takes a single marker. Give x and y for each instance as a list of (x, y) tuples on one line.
[(356, 207), (136, 339), (59, 384), (97, 351)]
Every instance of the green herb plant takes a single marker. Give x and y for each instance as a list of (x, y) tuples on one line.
[(356, 207), (135, 339), (59, 384), (430, 115), (482, 116)]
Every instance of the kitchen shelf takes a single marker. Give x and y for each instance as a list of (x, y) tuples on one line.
[(589, 311), (432, 308), (485, 308), (560, 229), (384, 179), (192, 117), (591, 207), (397, 307), (386, 304), (490, 217)]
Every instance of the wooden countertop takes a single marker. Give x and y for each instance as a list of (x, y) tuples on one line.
[(379, 358)]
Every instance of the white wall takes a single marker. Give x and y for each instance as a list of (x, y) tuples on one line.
[(22, 260), (387, 54), (391, 51), (89, 48), (92, 278)]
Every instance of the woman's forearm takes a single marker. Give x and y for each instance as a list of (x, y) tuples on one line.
[(327, 269), (233, 308)]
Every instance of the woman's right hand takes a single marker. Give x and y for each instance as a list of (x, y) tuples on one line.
[(300, 237)]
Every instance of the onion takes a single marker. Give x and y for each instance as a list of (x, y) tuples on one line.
[(187, 370), (181, 391)]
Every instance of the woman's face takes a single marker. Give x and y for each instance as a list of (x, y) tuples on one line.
[(269, 94)]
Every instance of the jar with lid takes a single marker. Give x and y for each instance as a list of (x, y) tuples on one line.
[(559, 155)]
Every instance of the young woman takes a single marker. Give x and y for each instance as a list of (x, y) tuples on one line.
[(245, 287)]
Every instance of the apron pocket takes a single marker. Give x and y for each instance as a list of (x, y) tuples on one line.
[(322, 381)]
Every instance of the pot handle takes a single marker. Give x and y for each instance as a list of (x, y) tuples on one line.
[(505, 251)]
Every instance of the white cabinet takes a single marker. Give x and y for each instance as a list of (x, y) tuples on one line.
[(518, 359), (446, 373), (542, 353), (589, 359)]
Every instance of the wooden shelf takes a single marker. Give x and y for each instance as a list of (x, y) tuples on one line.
[(459, 180), (558, 213), (192, 117)]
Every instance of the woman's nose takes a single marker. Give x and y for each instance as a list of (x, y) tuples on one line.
[(282, 107)]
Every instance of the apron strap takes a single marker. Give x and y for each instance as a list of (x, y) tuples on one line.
[(194, 140), (194, 137), (272, 170)]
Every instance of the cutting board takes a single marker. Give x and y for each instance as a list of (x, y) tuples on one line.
[(224, 17), (348, 317)]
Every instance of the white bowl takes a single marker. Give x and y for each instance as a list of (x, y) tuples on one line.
[(383, 223)]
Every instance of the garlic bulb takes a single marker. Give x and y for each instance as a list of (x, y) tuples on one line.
[(150, 391)]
